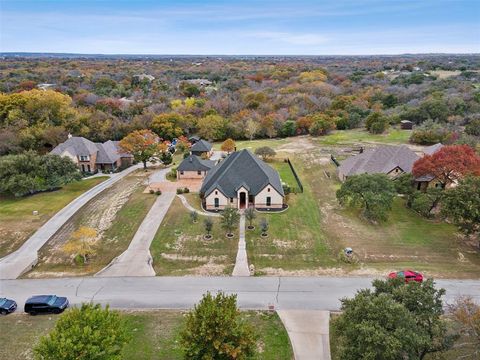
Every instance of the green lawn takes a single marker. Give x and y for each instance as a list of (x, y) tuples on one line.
[(406, 240), (345, 137), (296, 238), (286, 174), (179, 248), (254, 144), (155, 335), (17, 222)]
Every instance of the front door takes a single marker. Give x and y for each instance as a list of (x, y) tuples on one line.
[(243, 200)]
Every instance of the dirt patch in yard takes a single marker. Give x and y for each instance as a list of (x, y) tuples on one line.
[(115, 214)]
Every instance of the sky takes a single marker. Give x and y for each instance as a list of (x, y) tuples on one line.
[(241, 27)]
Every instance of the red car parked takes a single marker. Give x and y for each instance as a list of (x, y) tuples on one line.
[(409, 275)]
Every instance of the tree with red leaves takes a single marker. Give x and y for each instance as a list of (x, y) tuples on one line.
[(448, 164)]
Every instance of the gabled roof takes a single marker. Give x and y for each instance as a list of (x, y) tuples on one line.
[(241, 168), (77, 146), (107, 153), (194, 163), (430, 150), (201, 146), (382, 159)]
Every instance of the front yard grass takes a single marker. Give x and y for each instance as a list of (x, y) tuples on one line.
[(348, 137), (296, 239), (406, 240), (18, 223), (117, 219), (180, 249), (155, 335), (252, 145)]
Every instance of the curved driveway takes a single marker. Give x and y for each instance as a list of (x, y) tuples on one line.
[(21, 260)]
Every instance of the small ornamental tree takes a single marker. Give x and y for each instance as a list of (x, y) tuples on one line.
[(462, 205), (82, 243), (228, 146), (85, 333), (265, 152), (264, 226), (214, 329), (230, 218), (166, 158), (373, 193), (143, 145), (208, 224), (250, 216), (448, 164), (194, 216)]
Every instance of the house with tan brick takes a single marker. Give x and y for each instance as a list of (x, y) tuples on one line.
[(194, 167), (242, 180), (91, 157)]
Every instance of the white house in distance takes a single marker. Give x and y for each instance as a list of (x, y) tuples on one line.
[(242, 180)]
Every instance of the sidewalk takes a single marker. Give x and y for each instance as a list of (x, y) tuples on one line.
[(241, 263), (308, 331)]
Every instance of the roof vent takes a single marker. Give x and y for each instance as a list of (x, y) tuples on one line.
[(69, 135), (190, 159)]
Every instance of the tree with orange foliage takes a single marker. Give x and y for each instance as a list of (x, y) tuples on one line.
[(448, 164), (228, 146), (143, 145)]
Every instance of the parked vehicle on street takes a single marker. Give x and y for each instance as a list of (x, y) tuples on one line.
[(408, 275), (7, 306), (41, 304)]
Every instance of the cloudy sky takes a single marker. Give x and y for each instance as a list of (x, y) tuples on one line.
[(267, 27)]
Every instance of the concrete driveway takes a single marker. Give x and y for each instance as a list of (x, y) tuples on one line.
[(21, 260), (308, 331)]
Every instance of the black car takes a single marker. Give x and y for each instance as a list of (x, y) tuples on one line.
[(7, 306), (41, 304)]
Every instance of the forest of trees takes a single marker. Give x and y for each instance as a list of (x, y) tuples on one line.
[(42, 100)]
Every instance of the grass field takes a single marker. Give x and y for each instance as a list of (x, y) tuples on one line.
[(254, 144), (286, 174), (17, 222), (405, 240), (179, 248), (116, 214), (346, 137), (155, 335)]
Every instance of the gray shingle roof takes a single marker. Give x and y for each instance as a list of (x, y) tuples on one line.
[(194, 163), (201, 146), (241, 168), (107, 153), (382, 159), (77, 146), (429, 150)]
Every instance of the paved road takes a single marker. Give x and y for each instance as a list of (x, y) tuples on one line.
[(21, 260), (241, 262), (308, 331), (286, 293)]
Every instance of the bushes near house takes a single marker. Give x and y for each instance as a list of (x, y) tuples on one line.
[(29, 173)]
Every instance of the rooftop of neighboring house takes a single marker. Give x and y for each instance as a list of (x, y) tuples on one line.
[(429, 150), (201, 146), (194, 163), (382, 159), (241, 168), (107, 153)]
